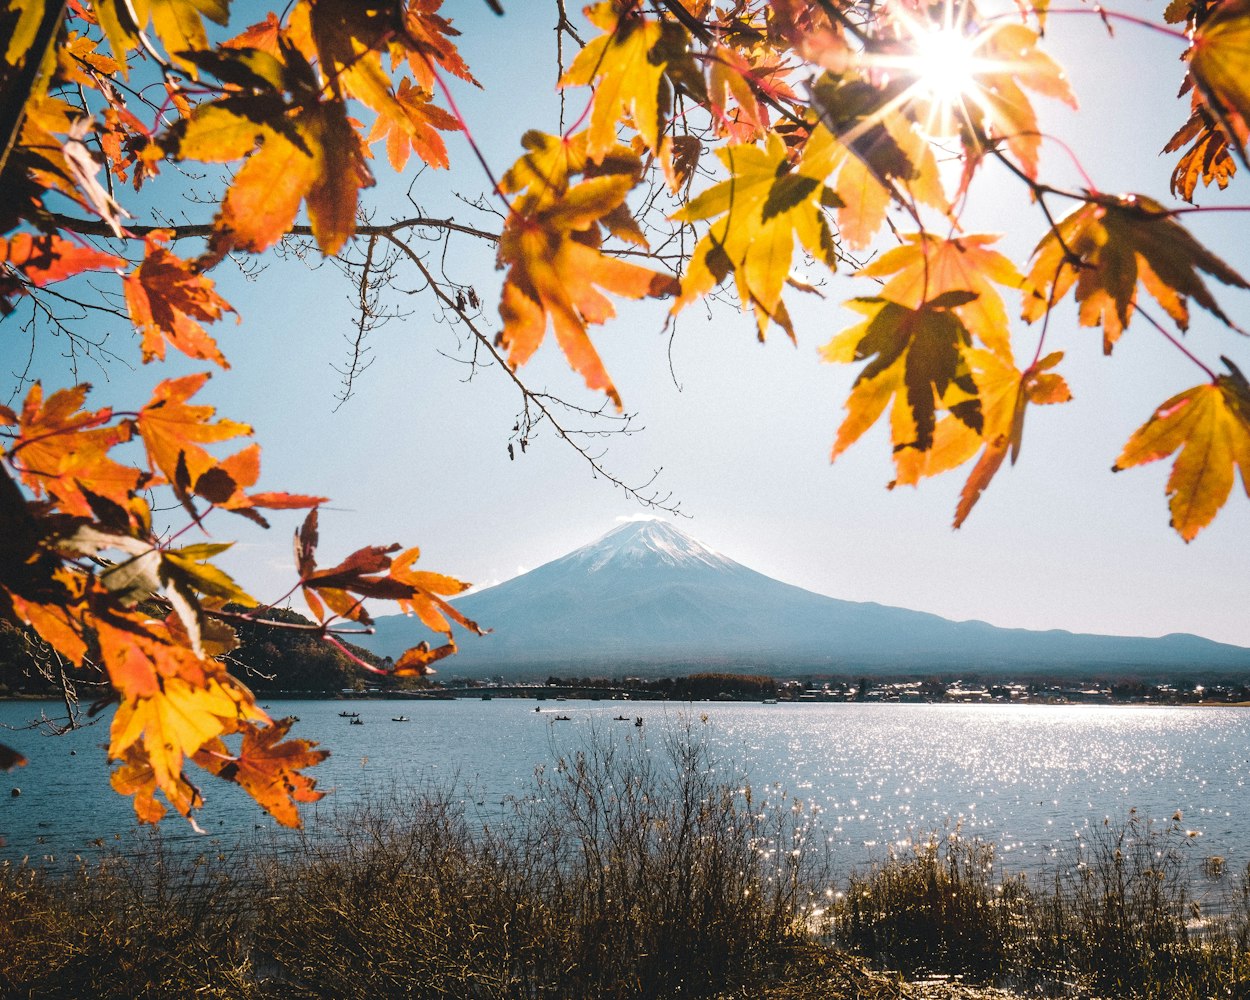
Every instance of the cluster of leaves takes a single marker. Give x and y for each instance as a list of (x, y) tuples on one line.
[(82, 563), (827, 126)]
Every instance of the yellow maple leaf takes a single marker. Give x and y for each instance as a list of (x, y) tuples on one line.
[(1005, 394), (917, 354), (927, 266), (629, 77), (175, 721), (1209, 425), (761, 210)]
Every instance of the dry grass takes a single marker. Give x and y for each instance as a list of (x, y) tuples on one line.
[(1115, 918), (628, 871)]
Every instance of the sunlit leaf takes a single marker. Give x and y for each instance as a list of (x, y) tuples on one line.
[(268, 767), (1209, 427), (629, 79), (556, 273), (927, 266), (62, 449), (930, 342), (762, 210), (1116, 244), (169, 300), (173, 433)]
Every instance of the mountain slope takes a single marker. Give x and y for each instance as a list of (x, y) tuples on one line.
[(646, 598)]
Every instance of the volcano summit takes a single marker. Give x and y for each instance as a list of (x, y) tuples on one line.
[(648, 599)]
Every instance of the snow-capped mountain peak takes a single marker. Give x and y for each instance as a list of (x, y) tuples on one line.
[(644, 543)]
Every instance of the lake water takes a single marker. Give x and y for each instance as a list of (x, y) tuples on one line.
[(1027, 778)]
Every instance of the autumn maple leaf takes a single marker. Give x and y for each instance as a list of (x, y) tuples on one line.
[(136, 776), (168, 299), (1219, 65), (173, 433), (1209, 425), (1119, 242), (1209, 158), (1005, 395), (303, 151), (177, 720), (425, 600), (345, 586), (179, 24), (881, 156), (550, 248), (62, 449), (919, 353), (927, 266), (267, 767), (416, 131), (263, 35), (761, 210), (1006, 60), (49, 257), (429, 41), (629, 74)]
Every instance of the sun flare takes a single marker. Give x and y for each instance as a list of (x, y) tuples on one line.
[(944, 64), (940, 60)]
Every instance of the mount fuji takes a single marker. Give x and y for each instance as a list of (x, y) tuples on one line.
[(648, 599)]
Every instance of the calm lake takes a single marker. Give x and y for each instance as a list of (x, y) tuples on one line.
[(1027, 778)]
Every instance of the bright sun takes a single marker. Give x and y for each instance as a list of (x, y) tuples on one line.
[(944, 63)]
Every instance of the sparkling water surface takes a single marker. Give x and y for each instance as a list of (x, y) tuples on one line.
[(1027, 778)]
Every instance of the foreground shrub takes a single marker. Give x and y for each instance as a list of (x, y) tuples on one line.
[(1116, 914), (630, 870), (940, 908), (147, 925)]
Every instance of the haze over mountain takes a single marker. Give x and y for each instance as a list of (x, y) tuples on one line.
[(648, 599)]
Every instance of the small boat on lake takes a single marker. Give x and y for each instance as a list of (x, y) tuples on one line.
[(562, 718), (620, 718), (349, 715), (400, 718), (357, 721)]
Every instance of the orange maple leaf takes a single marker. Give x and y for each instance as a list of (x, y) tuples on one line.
[(268, 767), (429, 41), (138, 657), (225, 484), (550, 246), (168, 298), (46, 258), (136, 776), (416, 130), (263, 36), (173, 432), (424, 601), (62, 449), (327, 172)]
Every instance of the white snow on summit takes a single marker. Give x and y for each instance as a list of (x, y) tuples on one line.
[(638, 543)]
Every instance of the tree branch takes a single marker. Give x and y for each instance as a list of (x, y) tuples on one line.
[(653, 500), (97, 227)]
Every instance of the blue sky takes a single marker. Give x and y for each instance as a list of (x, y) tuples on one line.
[(741, 430)]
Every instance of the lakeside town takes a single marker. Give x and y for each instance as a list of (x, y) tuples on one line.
[(758, 687)]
